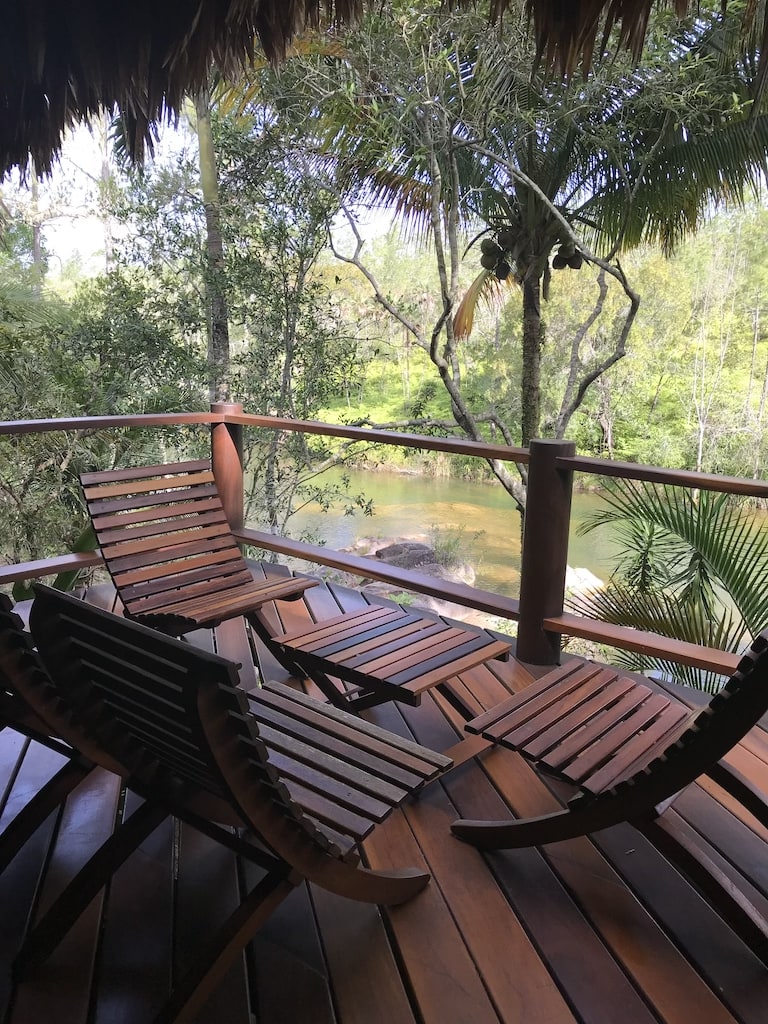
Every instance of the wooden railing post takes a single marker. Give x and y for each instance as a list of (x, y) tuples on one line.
[(227, 459), (545, 551)]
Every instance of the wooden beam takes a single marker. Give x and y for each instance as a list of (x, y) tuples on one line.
[(644, 642), (375, 569)]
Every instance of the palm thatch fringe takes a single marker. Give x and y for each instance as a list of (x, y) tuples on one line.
[(63, 62)]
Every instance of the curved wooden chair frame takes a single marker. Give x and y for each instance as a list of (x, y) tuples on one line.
[(308, 781), (16, 714), (631, 751)]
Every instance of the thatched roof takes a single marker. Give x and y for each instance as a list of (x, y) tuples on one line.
[(60, 61)]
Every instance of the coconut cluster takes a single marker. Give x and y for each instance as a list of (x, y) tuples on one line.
[(567, 256), (493, 258), (498, 254)]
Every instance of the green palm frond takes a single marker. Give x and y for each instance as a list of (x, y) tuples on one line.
[(684, 179), (707, 534), (663, 613), (692, 567)]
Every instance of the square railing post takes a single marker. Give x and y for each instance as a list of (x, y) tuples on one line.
[(545, 550), (227, 459)]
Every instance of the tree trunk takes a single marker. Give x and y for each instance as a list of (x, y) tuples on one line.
[(38, 269), (101, 133), (531, 374), (215, 282)]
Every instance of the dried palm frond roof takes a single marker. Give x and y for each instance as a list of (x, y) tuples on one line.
[(62, 62)]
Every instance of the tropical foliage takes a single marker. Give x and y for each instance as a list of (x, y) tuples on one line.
[(691, 566)]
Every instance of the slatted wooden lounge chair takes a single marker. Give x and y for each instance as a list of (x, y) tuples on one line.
[(304, 782), (167, 545), (16, 714), (630, 751)]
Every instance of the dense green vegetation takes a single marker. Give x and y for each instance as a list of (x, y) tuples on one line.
[(690, 393)]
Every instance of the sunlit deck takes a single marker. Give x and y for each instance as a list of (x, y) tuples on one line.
[(593, 930)]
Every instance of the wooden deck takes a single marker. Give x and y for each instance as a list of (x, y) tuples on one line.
[(594, 930)]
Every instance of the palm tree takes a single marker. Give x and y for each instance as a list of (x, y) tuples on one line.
[(691, 567), (641, 156), (448, 124)]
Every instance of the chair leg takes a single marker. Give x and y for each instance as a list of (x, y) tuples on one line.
[(209, 969), (69, 905), (266, 630), (386, 888), (36, 810), (549, 828)]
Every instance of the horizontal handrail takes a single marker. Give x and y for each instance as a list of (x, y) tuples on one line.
[(164, 419), (485, 601), (456, 446), (375, 569), (658, 474), (644, 642), (48, 566), (629, 639), (451, 445)]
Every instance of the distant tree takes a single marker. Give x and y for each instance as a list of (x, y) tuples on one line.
[(215, 276), (107, 353)]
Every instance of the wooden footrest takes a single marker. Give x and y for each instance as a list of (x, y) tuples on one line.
[(585, 724), (390, 646)]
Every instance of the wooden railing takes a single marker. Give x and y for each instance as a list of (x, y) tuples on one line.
[(551, 467)]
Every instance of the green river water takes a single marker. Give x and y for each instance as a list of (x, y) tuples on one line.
[(481, 515)]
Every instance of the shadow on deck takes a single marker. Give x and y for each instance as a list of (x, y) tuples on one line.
[(596, 929)]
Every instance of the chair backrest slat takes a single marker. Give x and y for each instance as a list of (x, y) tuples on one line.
[(142, 693), (139, 472), (161, 528)]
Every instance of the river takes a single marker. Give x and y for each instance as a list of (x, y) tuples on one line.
[(481, 516)]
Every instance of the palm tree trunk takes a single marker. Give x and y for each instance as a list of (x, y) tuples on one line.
[(530, 385)]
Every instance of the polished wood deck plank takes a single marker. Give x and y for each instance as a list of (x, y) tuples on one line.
[(136, 952), (593, 930)]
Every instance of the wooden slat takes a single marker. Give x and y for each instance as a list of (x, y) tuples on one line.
[(457, 665), (110, 506), (168, 539), (715, 954), (290, 981), (207, 509), (136, 946), (662, 973), (572, 715), (440, 972), (409, 775), (382, 742), (139, 472), (639, 750), (139, 486), (519, 981), (619, 729), (61, 988), (207, 891), (367, 986), (552, 687), (296, 754)]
